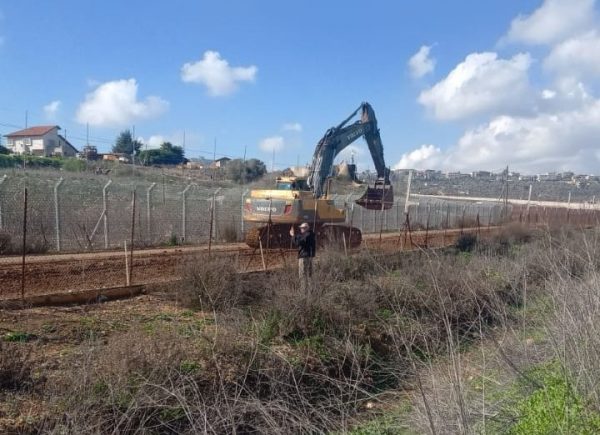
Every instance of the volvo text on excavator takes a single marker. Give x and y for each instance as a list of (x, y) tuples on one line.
[(295, 199)]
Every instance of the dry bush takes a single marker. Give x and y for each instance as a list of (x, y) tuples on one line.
[(5, 243), (161, 384), (466, 242), (15, 368), (210, 283), (575, 305), (228, 232), (292, 361)]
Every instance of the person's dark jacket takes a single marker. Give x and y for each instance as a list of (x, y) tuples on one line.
[(306, 244)]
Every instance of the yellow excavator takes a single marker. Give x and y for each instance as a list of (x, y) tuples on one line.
[(296, 199)]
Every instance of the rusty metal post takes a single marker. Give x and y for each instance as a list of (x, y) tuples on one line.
[(127, 282), (24, 245), (132, 236)]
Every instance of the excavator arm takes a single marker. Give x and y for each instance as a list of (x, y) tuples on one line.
[(338, 138)]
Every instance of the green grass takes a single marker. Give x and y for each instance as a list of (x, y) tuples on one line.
[(18, 337), (552, 406)]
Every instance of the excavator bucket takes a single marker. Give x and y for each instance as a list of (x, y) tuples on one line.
[(379, 197)]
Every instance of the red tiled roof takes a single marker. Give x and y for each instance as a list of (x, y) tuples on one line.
[(39, 130)]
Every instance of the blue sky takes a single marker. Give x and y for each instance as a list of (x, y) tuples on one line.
[(272, 74)]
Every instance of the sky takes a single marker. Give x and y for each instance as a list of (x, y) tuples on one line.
[(462, 85)]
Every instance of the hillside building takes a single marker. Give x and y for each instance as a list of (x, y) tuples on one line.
[(42, 141)]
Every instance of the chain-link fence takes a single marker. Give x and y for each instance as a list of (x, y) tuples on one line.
[(97, 213), (105, 233)]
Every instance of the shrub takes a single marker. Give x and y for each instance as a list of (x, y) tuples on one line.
[(211, 284), (466, 242), (5, 243), (15, 368), (229, 233), (74, 165)]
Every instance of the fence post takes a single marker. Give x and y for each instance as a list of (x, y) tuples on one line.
[(362, 219), (407, 192), (57, 213), (244, 193), (132, 236), (214, 212), (184, 212), (2, 181), (105, 212), (24, 245), (149, 210)]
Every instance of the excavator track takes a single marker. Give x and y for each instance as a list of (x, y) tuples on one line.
[(277, 236)]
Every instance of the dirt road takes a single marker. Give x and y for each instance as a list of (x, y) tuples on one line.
[(46, 274)]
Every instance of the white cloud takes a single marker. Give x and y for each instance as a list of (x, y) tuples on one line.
[(292, 126), (352, 152), (424, 157), (51, 109), (554, 21), (545, 142), (272, 143), (154, 141), (481, 84), (577, 56), (115, 103), (216, 74), (420, 63)]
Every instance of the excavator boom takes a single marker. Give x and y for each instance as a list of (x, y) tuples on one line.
[(336, 139)]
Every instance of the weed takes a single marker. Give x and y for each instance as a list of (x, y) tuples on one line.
[(18, 337)]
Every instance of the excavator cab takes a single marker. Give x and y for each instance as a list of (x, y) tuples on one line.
[(378, 197)]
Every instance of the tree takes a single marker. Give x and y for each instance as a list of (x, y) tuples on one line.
[(125, 144), (242, 171), (167, 154), (4, 150)]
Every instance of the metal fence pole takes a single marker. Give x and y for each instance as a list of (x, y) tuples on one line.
[(149, 210), (362, 219), (132, 236), (183, 212), (214, 213), (244, 193), (2, 181), (105, 212), (57, 213), (406, 201), (24, 245)]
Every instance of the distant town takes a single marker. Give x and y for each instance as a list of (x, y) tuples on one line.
[(429, 174)]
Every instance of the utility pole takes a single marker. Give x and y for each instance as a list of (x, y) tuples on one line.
[(26, 117)]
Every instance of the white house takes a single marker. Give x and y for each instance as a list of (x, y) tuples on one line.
[(42, 140)]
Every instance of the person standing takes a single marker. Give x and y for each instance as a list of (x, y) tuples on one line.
[(307, 248)]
